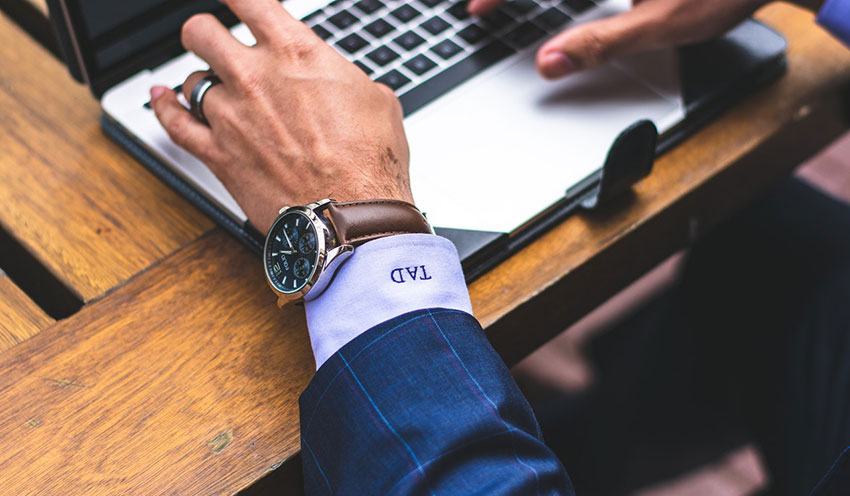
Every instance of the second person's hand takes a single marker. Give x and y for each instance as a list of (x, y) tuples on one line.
[(650, 24)]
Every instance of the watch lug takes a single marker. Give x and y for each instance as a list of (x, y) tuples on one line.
[(341, 250), (334, 260), (318, 204), (283, 209)]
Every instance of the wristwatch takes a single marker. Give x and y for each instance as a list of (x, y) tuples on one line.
[(306, 245)]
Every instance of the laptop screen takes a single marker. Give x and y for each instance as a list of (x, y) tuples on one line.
[(114, 40)]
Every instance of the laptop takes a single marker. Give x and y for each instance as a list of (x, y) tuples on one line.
[(497, 153)]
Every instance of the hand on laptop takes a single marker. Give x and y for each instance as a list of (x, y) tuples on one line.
[(292, 121), (650, 24)]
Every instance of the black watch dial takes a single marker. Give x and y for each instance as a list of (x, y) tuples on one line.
[(291, 252)]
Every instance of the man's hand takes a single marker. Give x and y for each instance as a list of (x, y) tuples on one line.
[(650, 24), (292, 121)]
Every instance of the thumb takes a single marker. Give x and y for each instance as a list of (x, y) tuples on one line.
[(594, 43)]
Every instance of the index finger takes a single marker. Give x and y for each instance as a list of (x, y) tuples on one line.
[(265, 18), (206, 37)]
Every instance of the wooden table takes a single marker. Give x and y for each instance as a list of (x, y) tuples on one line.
[(171, 370), (20, 317)]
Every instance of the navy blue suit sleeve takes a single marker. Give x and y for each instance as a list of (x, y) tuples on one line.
[(422, 404)]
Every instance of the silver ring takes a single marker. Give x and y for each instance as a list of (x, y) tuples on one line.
[(196, 101)]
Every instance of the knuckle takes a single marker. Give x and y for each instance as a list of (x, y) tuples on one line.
[(387, 92), (300, 48), (391, 98), (395, 103), (246, 81)]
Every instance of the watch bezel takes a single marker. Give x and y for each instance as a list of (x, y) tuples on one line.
[(323, 234)]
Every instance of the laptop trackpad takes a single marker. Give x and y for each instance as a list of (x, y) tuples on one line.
[(506, 145)]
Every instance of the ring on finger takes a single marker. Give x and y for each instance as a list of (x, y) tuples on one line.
[(196, 100)]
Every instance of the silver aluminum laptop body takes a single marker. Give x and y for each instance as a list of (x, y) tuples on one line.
[(488, 155)]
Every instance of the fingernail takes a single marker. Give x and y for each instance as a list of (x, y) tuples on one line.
[(157, 92), (557, 64), (470, 7)]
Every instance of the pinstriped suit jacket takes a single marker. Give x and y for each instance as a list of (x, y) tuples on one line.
[(422, 404)]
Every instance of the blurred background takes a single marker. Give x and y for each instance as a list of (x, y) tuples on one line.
[(642, 423)]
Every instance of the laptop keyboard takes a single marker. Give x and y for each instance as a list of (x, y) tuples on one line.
[(424, 48)]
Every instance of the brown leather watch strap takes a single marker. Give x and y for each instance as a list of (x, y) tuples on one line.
[(358, 222)]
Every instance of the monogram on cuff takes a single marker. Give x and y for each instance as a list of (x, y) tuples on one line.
[(402, 275)]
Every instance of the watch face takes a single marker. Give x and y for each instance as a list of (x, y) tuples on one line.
[(291, 252)]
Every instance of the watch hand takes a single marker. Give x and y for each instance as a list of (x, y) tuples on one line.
[(289, 242)]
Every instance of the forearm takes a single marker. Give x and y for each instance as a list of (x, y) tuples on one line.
[(409, 396), (422, 404)]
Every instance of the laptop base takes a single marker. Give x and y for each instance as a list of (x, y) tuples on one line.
[(715, 75)]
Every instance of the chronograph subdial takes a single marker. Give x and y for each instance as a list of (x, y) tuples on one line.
[(307, 243), (301, 268)]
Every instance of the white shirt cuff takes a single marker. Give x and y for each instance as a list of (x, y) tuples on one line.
[(383, 279)]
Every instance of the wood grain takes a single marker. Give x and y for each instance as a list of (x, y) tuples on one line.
[(20, 318), (577, 265), (86, 210), (183, 381)]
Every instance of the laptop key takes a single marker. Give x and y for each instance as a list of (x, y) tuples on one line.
[(446, 49), (524, 35), (379, 28), (458, 11), (473, 34), (497, 20), (405, 13), (382, 55), (431, 3), (363, 67), (409, 40), (393, 79), (352, 43), (552, 19), (521, 7), (322, 32), (420, 64), (342, 19), (369, 6), (579, 6), (444, 81), (435, 25)]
